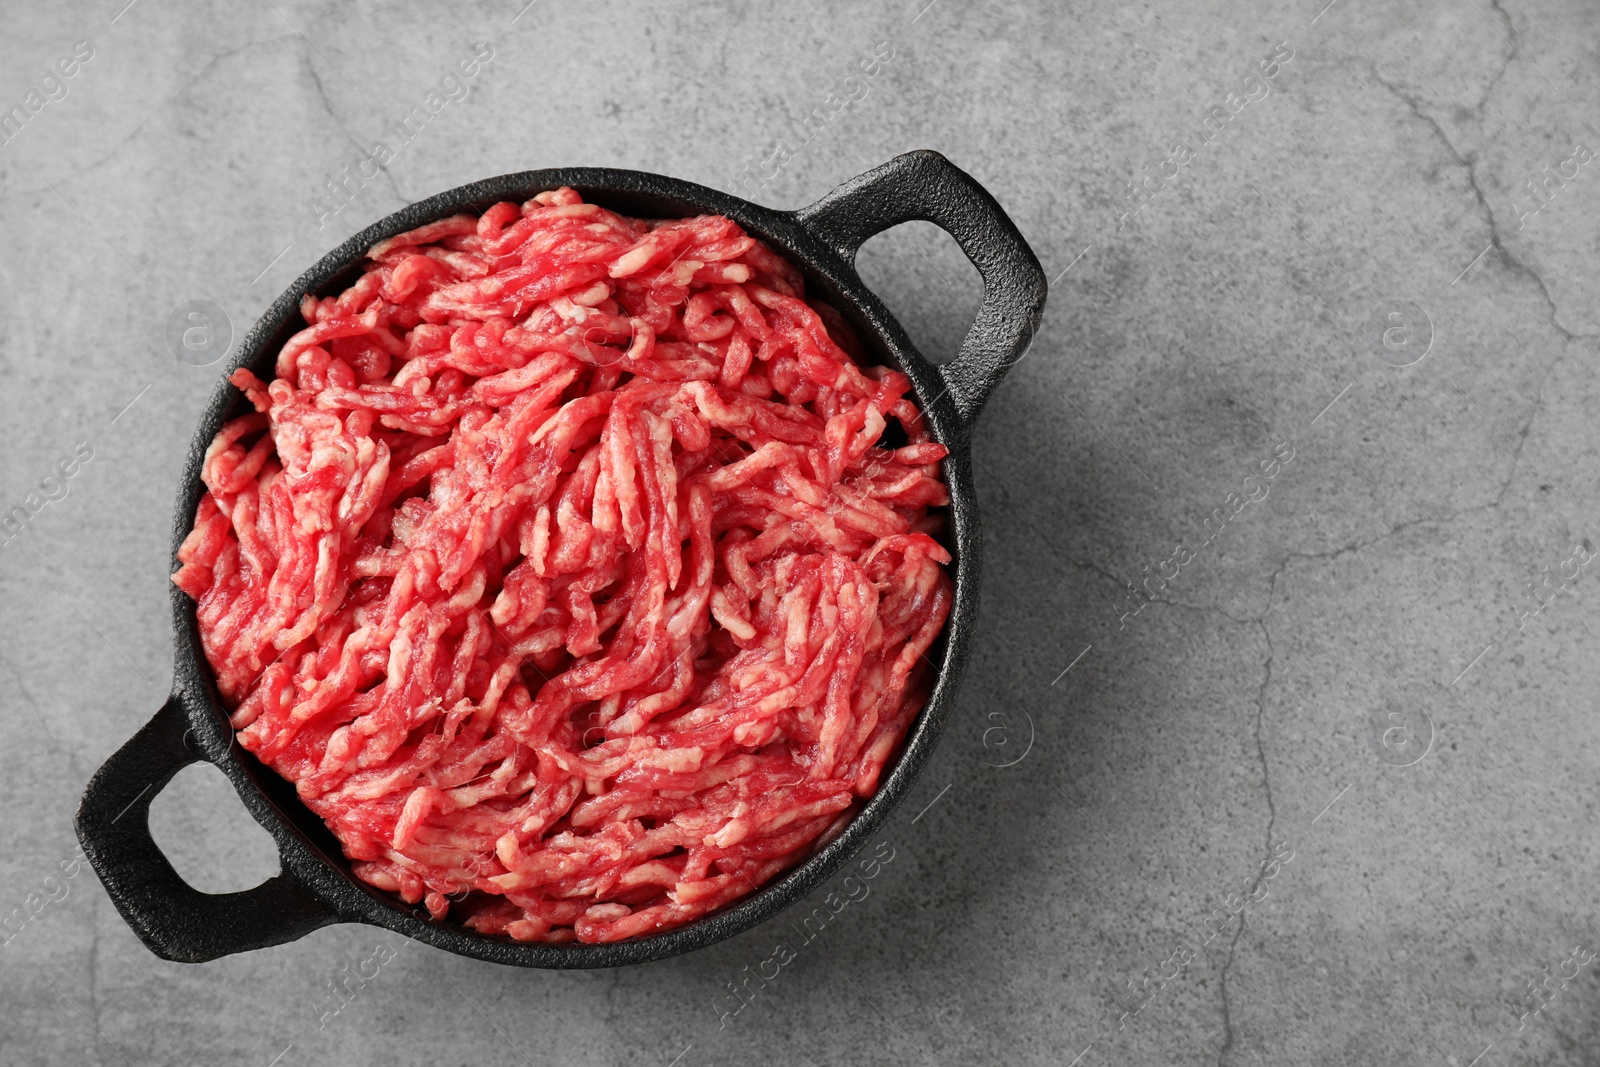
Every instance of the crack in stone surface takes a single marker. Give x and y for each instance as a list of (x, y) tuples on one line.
[(1505, 62), (71, 757), (1258, 621), (1227, 1017), (338, 123), (1203, 609), (128, 138), (1527, 426), (1511, 27), (1356, 546), (1088, 566), (1272, 818), (1468, 165)]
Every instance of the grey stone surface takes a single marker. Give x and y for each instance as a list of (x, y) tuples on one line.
[(1081, 824)]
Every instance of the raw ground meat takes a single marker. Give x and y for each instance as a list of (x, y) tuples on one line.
[(567, 569)]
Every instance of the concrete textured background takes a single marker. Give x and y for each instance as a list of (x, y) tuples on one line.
[(1211, 816)]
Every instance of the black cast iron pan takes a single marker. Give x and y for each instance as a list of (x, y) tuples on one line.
[(315, 886)]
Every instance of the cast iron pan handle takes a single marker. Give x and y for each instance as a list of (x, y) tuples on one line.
[(926, 186), (175, 920)]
